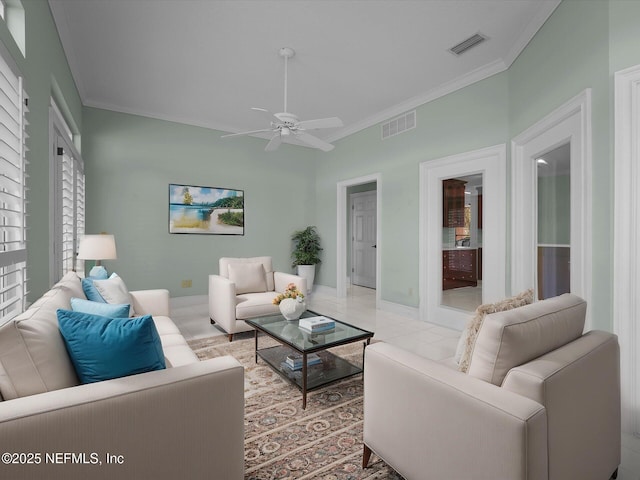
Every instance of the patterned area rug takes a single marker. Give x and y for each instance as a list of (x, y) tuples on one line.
[(283, 441)]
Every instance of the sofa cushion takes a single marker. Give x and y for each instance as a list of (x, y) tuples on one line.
[(113, 290), (509, 339), (71, 282), (175, 347), (470, 333), (33, 357), (115, 310), (248, 277), (224, 263), (102, 348), (255, 305)]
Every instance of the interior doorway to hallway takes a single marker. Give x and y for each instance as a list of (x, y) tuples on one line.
[(362, 234), (369, 224)]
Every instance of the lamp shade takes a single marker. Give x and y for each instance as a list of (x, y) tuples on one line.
[(97, 247)]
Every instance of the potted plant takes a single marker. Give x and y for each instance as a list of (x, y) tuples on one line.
[(306, 253)]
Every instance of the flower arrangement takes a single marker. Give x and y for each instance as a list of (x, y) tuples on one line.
[(290, 292)]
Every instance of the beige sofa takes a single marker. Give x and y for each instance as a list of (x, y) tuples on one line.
[(182, 422), (540, 401), (245, 288)]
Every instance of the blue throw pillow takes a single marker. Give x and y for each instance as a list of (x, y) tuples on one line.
[(102, 348), (90, 291), (100, 308)]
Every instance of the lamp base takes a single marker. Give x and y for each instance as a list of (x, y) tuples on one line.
[(98, 273)]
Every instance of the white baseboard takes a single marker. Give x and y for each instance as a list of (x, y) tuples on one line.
[(399, 309), (187, 301), (324, 290)]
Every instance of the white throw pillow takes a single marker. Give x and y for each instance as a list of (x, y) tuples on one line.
[(113, 290), (248, 277)]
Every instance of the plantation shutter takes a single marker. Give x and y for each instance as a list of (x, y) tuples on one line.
[(68, 202), (79, 177), (69, 211), (13, 249)]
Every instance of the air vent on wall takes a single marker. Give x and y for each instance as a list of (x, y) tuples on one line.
[(465, 45), (400, 124)]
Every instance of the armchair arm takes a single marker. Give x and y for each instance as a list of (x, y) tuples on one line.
[(222, 302), (281, 280), (151, 302), (183, 422), (429, 421)]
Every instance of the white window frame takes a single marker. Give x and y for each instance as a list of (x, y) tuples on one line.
[(13, 203), (571, 122), (67, 202)]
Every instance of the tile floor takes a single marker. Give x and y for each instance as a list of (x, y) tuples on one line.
[(358, 308)]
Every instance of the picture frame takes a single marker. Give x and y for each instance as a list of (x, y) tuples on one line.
[(205, 210)]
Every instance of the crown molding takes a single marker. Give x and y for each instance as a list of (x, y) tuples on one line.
[(536, 23), (161, 116)]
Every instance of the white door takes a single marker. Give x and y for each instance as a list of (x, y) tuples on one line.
[(363, 231)]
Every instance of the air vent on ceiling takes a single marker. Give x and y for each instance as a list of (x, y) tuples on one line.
[(465, 45), (400, 124)]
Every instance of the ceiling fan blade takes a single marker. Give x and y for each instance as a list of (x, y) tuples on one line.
[(321, 123), (274, 143), (314, 141), (266, 113), (247, 133)]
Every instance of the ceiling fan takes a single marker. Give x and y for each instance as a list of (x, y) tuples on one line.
[(286, 124)]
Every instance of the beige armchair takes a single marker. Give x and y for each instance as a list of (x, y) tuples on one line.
[(540, 401), (245, 288)]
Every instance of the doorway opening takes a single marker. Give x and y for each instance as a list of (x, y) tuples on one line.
[(450, 236), (362, 234), (368, 252), (462, 199)]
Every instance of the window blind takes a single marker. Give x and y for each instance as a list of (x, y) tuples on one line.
[(72, 197), (13, 250)]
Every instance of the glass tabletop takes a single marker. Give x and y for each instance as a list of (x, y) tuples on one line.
[(303, 340)]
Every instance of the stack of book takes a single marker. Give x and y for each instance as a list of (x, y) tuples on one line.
[(294, 361), (316, 324)]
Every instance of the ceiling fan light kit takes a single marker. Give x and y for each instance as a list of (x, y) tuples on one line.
[(286, 124)]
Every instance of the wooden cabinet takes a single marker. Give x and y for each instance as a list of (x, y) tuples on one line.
[(480, 211), (453, 203), (459, 268)]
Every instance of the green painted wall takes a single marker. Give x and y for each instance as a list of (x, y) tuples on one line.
[(131, 160), (46, 74), (468, 119)]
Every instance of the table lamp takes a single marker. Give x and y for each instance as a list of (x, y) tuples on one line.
[(97, 247)]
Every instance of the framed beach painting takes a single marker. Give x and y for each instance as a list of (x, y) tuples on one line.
[(205, 210)]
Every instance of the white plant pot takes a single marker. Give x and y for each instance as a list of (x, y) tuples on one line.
[(308, 272), (291, 309)]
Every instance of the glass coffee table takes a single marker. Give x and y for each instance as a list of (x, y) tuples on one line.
[(296, 343)]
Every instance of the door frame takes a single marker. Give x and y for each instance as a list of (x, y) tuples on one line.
[(341, 232), (350, 219), (570, 122), (626, 274), (491, 162)]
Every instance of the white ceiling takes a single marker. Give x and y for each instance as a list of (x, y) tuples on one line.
[(207, 62)]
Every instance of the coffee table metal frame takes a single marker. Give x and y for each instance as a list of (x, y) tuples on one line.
[(331, 369)]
